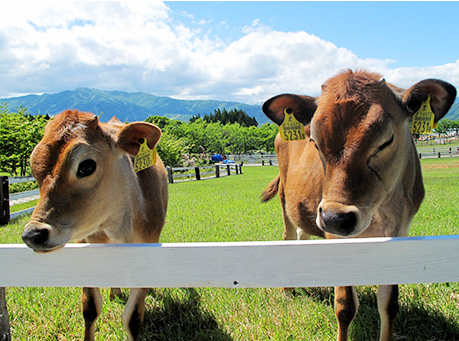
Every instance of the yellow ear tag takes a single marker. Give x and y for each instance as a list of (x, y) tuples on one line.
[(423, 119), (145, 158), (291, 129)]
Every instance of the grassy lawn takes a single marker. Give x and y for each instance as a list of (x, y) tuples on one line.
[(228, 209)]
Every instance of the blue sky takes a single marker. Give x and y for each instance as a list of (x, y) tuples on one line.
[(241, 51), (411, 33)]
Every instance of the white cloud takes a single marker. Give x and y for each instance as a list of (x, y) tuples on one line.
[(137, 46)]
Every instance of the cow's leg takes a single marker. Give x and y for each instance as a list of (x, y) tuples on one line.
[(115, 292), (92, 307), (346, 305), (302, 235), (388, 309), (290, 232), (133, 313)]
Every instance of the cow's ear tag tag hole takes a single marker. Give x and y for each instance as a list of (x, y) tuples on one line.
[(423, 119), (145, 158), (291, 129)]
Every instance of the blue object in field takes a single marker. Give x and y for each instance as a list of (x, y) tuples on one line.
[(228, 161), (217, 158)]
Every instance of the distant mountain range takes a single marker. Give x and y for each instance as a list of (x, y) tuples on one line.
[(453, 113), (127, 106)]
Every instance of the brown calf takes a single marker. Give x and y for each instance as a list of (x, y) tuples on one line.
[(89, 191), (357, 173)]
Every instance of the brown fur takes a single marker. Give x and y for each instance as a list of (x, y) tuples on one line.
[(111, 205), (357, 173)]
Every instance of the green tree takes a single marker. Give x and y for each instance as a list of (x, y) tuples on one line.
[(190, 141), (267, 134), (172, 150), (227, 117), (446, 125), (19, 133)]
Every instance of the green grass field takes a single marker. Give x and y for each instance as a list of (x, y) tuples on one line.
[(228, 209)]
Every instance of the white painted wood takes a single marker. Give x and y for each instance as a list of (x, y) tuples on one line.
[(26, 194), (16, 214), (236, 265), (19, 179)]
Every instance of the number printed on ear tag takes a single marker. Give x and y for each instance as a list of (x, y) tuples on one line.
[(145, 158), (291, 129), (423, 119)]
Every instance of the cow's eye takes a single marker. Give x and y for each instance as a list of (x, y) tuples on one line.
[(386, 144), (86, 168)]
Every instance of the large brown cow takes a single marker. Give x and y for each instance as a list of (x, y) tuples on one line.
[(89, 191), (357, 173)]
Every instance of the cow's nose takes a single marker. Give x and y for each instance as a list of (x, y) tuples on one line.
[(339, 223), (35, 236)]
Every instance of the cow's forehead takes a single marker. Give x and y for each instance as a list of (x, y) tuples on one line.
[(351, 113), (351, 85), (347, 98), (61, 134), (68, 125)]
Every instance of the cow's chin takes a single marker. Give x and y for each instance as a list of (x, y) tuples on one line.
[(49, 250)]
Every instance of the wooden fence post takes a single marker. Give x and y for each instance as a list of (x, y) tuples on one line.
[(4, 201), (198, 175), (439, 155), (262, 162), (228, 169), (170, 175), (217, 171), (5, 334), (240, 167)]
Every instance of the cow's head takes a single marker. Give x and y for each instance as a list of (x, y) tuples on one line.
[(84, 177), (359, 125)]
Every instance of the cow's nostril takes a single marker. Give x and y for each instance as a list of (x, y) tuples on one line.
[(35, 237), (349, 221), (338, 222)]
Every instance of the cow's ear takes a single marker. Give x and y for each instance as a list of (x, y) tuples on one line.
[(131, 136), (442, 96), (303, 107)]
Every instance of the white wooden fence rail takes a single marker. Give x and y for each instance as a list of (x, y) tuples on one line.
[(236, 265)]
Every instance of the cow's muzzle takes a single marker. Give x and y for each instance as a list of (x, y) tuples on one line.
[(37, 236), (340, 220)]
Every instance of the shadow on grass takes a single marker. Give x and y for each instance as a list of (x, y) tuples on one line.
[(180, 319), (414, 321)]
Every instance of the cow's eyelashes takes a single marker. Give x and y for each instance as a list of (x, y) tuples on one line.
[(386, 144), (321, 155), (315, 144), (86, 168)]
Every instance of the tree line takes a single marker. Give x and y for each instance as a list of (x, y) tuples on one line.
[(182, 143), (193, 143), (446, 126), (224, 117)]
